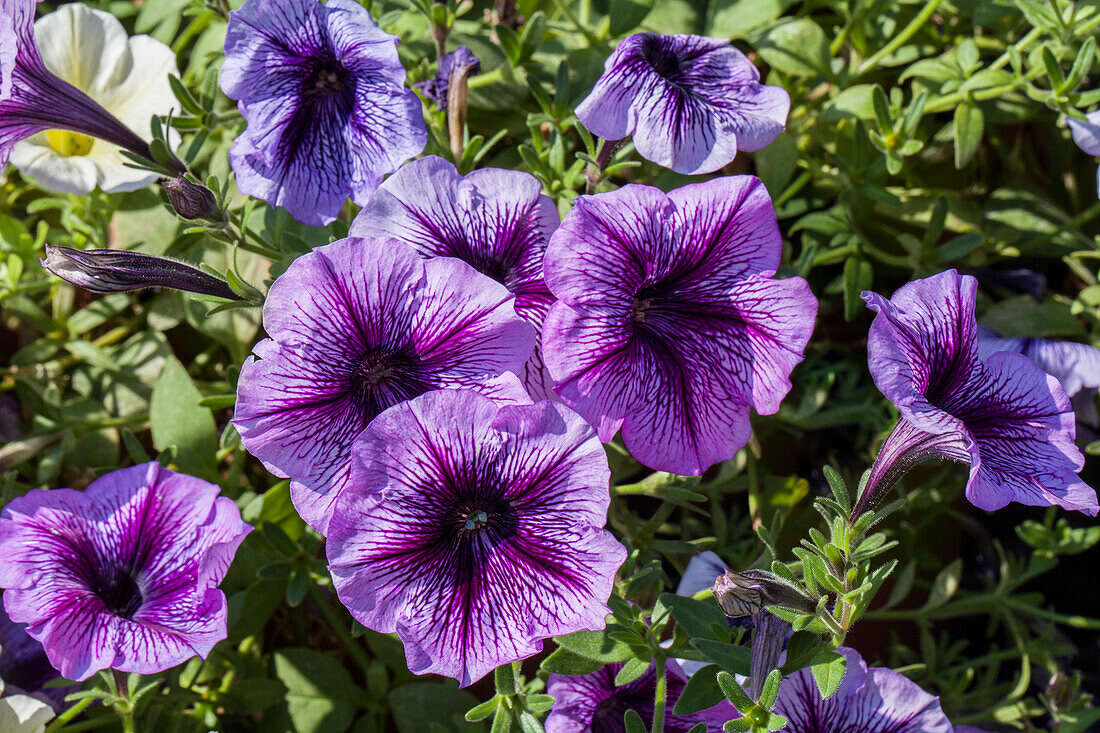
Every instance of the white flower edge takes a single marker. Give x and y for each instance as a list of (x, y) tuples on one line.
[(128, 76)]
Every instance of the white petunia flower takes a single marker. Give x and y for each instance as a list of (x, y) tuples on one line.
[(128, 76), (23, 713)]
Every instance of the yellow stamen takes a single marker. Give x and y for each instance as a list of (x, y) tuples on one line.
[(69, 143)]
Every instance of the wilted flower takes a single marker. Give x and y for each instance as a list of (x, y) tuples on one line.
[(82, 80), (1004, 416), (461, 62), (124, 574), (593, 702), (690, 102), (497, 221), (323, 92), (473, 530), (669, 323), (876, 700), (192, 200), (356, 327), (747, 593), (119, 270), (1087, 137), (23, 713)]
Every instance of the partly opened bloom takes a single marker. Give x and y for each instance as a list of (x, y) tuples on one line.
[(323, 92), (1004, 416), (1087, 137), (124, 574), (875, 700), (70, 102), (497, 221), (473, 530), (356, 327), (592, 702), (669, 323), (690, 102)]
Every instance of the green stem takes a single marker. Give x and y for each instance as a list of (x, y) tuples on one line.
[(339, 627), (126, 710), (589, 35), (65, 717), (659, 697), (897, 41)]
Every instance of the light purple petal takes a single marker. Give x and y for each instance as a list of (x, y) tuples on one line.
[(1087, 134)]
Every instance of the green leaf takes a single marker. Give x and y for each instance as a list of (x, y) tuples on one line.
[(736, 18), (802, 649), (1023, 317), (858, 274), (700, 693), (945, 585), (177, 420), (828, 670), (632, 670), (321, 698), (420, 706), (633, 722), (734, 692), (563, 661), (626, 15), (595, 645), (727, 656), (797, 46), (697, 618), (969, 128)]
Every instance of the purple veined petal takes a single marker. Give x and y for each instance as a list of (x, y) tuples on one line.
[(472, 530), (323, 92), (1086, 134), (124, 574), (1075, 366), (357, 327)]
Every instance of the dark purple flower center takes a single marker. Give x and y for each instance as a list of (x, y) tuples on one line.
[(641, 305), (661, 57), (118, 590), (385, 377), (326, 77)]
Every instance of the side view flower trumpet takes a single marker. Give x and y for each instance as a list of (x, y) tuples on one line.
[(116, 271), (55, 92)]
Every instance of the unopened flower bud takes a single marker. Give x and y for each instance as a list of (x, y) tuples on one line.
[(748, 592), (115, 271), (192, 200)]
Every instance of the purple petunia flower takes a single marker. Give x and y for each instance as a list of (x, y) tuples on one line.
[(1006, 418), (473, 530), (875, 700), (592, 702), (24, 666), (461, 61), (1087, 137), (323, 92), (669, 324), (1075, 366), (497, 221), (123, 574), (690, 102), (33, 99), (356, 327)]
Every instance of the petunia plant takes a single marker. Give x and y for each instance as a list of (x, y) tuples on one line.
[(549, 365)]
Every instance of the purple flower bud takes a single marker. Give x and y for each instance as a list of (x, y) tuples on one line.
[(746, 593), (192, 200), (115, 271), (458, 64)]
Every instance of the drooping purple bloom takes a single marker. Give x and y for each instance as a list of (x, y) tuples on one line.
[(460, 61), (690, 102), (1010, 421), (875, 700), (356, 327), (592, 702), (33, 99), (473, 530), (1087, 137), (669, 323), (497, 221), (323, 92), (124, 574)]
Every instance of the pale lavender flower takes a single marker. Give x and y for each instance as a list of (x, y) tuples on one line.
[(1087, 137), (875, 700), (497, 221), (592, 702), (124, 574), (1005, 417), (33, 99), (669, 324), (473, 530), (356, 327), (323, 92), (1075, 366), (690, 102)]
